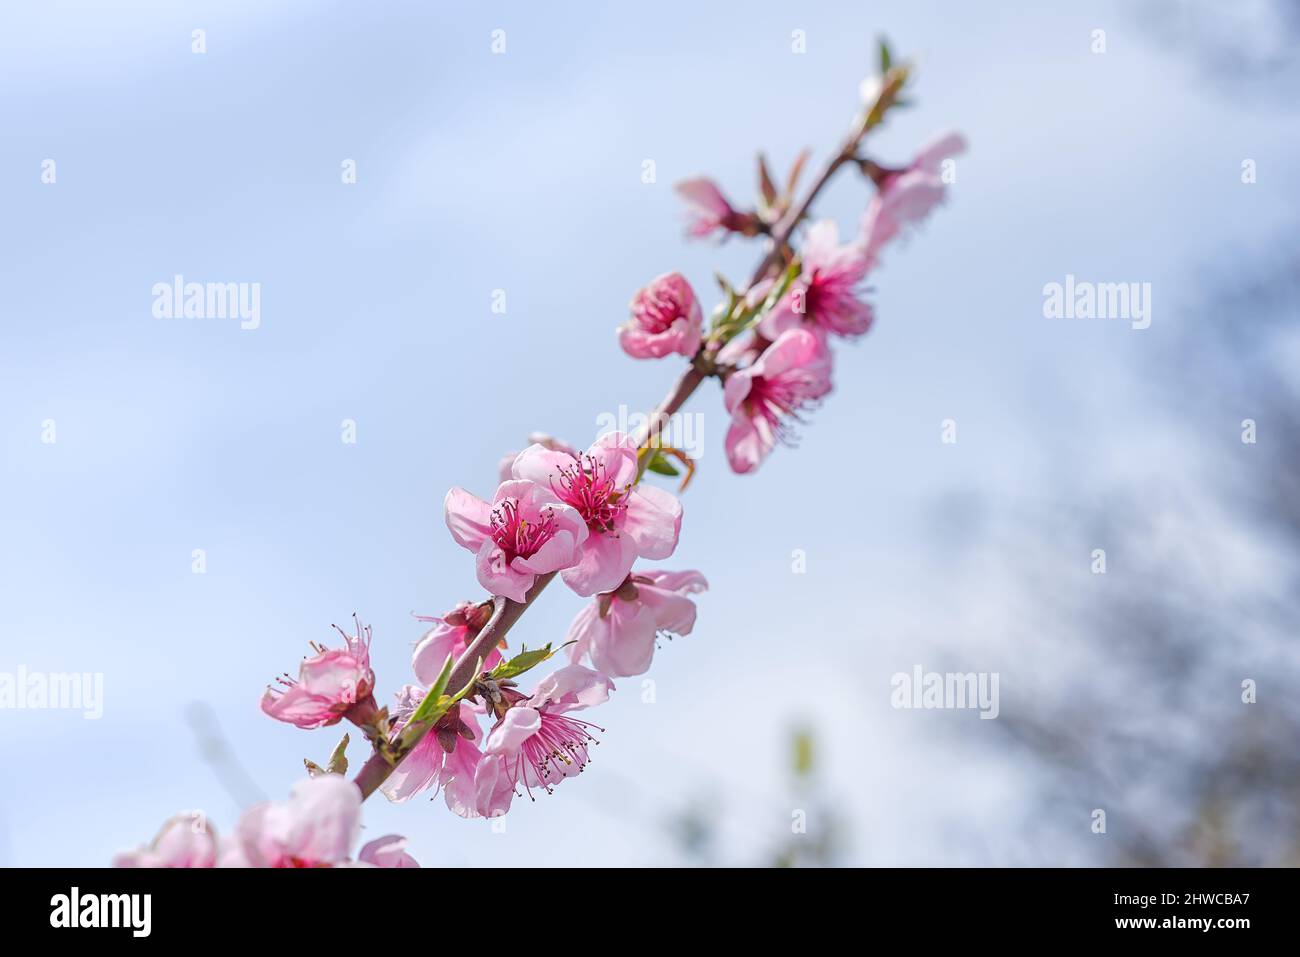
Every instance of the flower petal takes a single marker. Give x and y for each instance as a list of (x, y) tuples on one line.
[(606, 559), (387, 851), (418, 771), (324, 819), (654, 520), (516, 727), (468, 518), (572, 688)]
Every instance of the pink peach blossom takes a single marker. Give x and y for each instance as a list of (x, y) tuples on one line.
[(184, 841), (534, 438), (316, 827), (666, 318), (825, 296), (743, 349), (387, 851), (624, 520), (523, 533), (444, 759), (534, 741), (331, 685), (450, 635), (617, 631), (709, 209), (908, 195), (793, 372)]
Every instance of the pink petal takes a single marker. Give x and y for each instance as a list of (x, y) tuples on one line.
[(737, 388), (684, 582), (560, 551), (938, 149), (681, 338), (572, 688), (299, 707), (616, 453), (628, 644), (334, 675), (258, 841), (913, 196), (704, 193), (793, 349), (492, 788), (387, 851), (606, 559), (672, 612), (468, 518), (540, 465), (457, 779), (519, 724), (499, 578), (324, 819), (654, 520), (748, 443), (432, 650), (781, 317), (586, 628), (417, 772), (186, 841), (820, 244)]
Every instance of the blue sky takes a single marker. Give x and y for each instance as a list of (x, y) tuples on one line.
[(522, 172)]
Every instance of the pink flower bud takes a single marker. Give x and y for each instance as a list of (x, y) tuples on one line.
[(451, 635), (666, 318), (709, 210), (331, 685)]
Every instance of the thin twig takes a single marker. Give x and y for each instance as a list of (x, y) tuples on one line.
[(506, 611), (221, 757)]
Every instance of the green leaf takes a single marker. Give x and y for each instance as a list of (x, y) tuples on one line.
[(433, 697), (886, 59), (661, 466), (522, 662), (436, 703), (439, 686), (779, 289), (782, 286), (338, 762), (803, 752)]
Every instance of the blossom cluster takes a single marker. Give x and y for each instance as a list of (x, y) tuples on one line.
[(589, 517), (782, 366), (318, 826)]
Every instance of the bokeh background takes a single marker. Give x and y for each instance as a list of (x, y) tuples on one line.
[(522, 172)]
